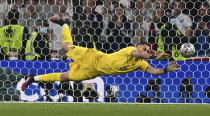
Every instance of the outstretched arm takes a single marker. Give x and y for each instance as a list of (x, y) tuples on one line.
[(145, 55), (171, 67), (141, 55)]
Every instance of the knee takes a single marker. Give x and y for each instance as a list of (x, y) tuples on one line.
[(65, 76), (65, 47)]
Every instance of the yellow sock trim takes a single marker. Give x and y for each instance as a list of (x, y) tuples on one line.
[(50, 77), (67, 38)]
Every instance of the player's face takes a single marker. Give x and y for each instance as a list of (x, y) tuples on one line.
[(61, 6), (177, 7), (143, 48), (119, 11), (107, 4), (203, 10)]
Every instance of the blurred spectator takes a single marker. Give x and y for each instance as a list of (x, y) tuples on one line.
[(176, 32), (5, 6), (146, 14), (55, 55), (15, 13), (88, 25), (13, 38), (64, 15), (19, 35), (136, 18), (30, 8), (12, 17), (38, 45), (119, 31), (150, 29), (201, 27), (31, 14), (125, 3), (181, 24), (13, 55), (182, 21), (106, 10), (20, 8), (148, 10), (46, 8), (127, 7)]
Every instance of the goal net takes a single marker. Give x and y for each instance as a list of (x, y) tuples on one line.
[(31, 42)]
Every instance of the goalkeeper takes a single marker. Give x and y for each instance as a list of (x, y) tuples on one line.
[(90, 63)]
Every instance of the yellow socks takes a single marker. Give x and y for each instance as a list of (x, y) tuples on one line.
[(67, 38), (48, 77)]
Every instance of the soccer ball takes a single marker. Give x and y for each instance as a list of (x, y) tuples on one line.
[(187, 50)]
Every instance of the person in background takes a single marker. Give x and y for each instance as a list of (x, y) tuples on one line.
[(64, 15), (13, 37), (13, 55), (88, 26), (23, 10), (46, 8), (37, 47), (150, 29), (30, 8), (182, 21), (136, 18), (201, 27), (175, 32), (30, 15), (55, 55), (119, 31), (16, 8), (107, 11), (148, 23), (5, 6)]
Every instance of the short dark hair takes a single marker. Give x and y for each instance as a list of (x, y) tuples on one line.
[(118, 5), (205, 4), (142, 43), (54, 51), (42, 22), (180, 1)]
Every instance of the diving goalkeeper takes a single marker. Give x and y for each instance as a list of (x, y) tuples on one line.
[(90, 63)]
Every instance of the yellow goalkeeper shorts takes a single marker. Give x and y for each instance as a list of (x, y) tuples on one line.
[(84, 65)]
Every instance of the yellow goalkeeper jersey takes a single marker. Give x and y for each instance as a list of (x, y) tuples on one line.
[(90, 63), (120, 62)]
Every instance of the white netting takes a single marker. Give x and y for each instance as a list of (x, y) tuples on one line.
[(31, 34)]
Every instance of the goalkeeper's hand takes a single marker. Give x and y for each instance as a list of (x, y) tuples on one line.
[(173, 67), (162, 56)]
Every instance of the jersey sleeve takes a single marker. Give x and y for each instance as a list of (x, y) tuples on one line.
[(129, 50), (143, 65)]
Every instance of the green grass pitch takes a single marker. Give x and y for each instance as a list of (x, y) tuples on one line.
[(103, 109)]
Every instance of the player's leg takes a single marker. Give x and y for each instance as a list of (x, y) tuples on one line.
[(67, 38), (51, 77), (73, 52)]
